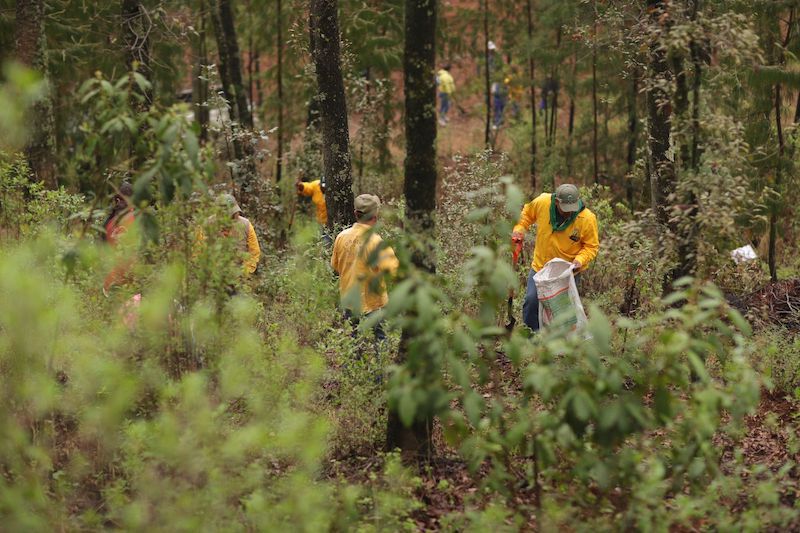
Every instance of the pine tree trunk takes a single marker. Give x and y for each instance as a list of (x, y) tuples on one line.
[(773, 216), (596, 172), (234, 63), (420, 182), (487, 77), (532, 71), (200, 81), (662, 170), (633, 121), (30, 50), (279, 81), (333, 113)]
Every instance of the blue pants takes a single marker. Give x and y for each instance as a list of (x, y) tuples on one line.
[(444, 105), (499, 104), (530, 306)]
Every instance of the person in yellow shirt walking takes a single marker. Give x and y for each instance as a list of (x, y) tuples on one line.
[(316, 190), (243, 232), (566, 229), (361, 260), (447, 87)]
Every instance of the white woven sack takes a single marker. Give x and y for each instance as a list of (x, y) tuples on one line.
[(558, 295)]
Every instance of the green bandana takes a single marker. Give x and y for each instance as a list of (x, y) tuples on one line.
[(566, 222)]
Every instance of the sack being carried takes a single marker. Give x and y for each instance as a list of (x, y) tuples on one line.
[(559, 300)]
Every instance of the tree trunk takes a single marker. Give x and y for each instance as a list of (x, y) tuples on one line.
[(594, 92), (556, 89), (487, 76), (662, 170), (200, 81), (30, 49), (420, 182), (333, 112), (234, 63), (279, 47), (532, 70), (632, 125), (773, 216)]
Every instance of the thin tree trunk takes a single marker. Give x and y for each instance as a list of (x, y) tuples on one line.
[(594, 92), (333, 112), (632, 125), (279, 46), (30, 49), (420, 186), (773, 216), (200, 80), (556, 89), (487, 75), (234, 62), (797, 110), (662, 169), (532, 70)]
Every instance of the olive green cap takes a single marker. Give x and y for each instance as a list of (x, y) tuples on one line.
[(568, 198)]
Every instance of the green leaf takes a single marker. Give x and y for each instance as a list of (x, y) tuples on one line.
[(473, 406)]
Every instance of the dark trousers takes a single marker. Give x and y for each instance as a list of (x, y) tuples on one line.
[(530, 306), (377, 329)]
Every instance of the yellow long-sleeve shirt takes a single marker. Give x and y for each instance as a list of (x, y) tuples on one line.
[(314, 190), (446, 83), (253, 249), (579, 240), (360, 271)]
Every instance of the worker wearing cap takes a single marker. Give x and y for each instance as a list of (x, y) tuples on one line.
[(247, 244), (362, 259), (565, 228), (316, 190)]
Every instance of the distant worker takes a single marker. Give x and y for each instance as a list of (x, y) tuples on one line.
[(565, 228), (120, 219), (361, 260), (243, 232), (316, 190), (444, 80), (515, 92), (499, 97)]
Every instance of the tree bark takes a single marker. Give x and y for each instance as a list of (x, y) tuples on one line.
[(487, 77), (234, 63), (594, 92), (279, 81), (633, 121), (773, 216), (30, 49), (659, 111), (420, 182), (532, 71), (333, 113), (200, 80)]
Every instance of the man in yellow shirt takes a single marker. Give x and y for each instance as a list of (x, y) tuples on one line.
[(446, 89), (564, 229), (316, 190), (362, 259), (244, 233)]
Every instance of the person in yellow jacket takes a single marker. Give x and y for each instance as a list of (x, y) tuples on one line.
[(566, 229), (447, 87), (362, 259), (316, 190), (246, 240)]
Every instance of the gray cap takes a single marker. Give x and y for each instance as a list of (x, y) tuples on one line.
[(366, 206), (568, 198), (228, 202)]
